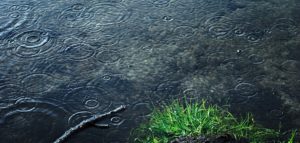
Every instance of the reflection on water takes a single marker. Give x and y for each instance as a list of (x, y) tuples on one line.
[(63, 61)]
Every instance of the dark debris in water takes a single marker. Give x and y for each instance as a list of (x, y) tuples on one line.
[(216, 139)]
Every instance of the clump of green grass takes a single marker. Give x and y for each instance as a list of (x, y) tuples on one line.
[(292, 138), (196, 119)]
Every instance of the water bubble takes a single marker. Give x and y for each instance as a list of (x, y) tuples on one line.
[(78, 7), (79, 51), (117, 120), (184, 31), (87, 98), (78, 117), (219, 26), (108, 56), (161, 3), (168, 18), (92, 103), (246, 89), (256, 59)]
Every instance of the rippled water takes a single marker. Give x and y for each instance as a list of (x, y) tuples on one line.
[(63, 61)]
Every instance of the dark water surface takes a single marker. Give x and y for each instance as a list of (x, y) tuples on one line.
[(62, 61)]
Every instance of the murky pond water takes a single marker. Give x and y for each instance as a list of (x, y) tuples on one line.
[(63, 61)]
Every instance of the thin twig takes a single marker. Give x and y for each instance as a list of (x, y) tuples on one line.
[(82, 124)]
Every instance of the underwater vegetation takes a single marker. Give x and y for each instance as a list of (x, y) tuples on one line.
[(200, 119)]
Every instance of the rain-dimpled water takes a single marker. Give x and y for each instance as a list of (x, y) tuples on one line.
[(63, 61)]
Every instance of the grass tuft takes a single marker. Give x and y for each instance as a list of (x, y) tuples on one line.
[(194, 119), (292, 138)]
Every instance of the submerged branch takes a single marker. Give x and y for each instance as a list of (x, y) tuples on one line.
[(84, 123)]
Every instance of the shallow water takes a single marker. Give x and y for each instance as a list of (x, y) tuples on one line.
[(65, 60)]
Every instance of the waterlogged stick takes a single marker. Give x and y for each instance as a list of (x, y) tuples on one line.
[(82, 124)]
